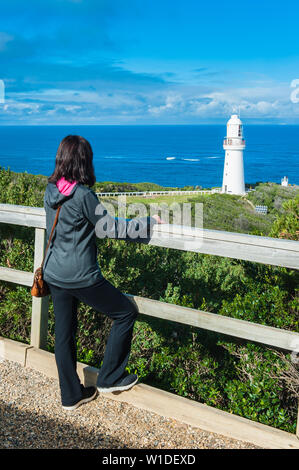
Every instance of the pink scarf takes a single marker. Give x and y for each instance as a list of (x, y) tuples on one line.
[(64, 186)]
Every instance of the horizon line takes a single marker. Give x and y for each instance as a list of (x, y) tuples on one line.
[(142, 125)]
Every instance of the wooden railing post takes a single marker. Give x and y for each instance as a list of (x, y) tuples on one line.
[(40, 306)]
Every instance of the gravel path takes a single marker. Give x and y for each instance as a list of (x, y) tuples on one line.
[(31, 417)]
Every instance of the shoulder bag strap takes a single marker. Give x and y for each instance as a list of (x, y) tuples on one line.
[(50, 237)]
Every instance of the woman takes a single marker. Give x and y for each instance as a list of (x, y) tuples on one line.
[(73, 274)]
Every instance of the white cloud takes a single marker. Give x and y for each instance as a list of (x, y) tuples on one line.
[(253, 102), (176, 103), (172, 103)]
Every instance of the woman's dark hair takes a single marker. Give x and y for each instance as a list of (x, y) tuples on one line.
[(74, 161)]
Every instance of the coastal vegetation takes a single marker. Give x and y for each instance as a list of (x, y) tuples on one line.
[(250, 380)]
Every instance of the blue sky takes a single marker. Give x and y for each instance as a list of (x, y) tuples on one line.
[(148, 61)]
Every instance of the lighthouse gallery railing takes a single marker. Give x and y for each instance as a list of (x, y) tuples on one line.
[(233, 140)]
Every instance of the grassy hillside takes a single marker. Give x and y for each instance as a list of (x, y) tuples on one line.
[(230, 212), (273, 196)]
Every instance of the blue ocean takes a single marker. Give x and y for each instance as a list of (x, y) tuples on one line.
[(173, 156)]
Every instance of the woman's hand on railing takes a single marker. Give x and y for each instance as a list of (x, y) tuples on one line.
[(158, 219)]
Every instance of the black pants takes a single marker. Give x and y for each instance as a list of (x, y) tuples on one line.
[(107, 299)]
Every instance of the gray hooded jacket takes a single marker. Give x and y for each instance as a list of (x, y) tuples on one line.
[(71, 259)]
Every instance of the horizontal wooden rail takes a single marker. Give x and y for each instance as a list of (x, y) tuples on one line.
[(243, 329), (16, 276), (23, 215), (163, 193), (254, 248), (266, 250), (238, 328)]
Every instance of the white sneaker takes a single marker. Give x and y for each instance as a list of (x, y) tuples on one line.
[(124, 384)]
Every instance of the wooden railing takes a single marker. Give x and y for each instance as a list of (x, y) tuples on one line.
[(161, 193), (265, 250)]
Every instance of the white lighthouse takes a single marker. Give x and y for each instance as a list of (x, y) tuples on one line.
[(234, 144)]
